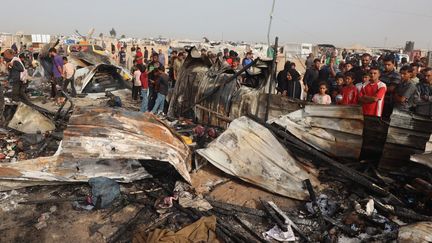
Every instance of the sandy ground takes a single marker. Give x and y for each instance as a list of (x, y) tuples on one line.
[(234, 191)]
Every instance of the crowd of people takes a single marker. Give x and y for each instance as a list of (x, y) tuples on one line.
[(151, 79), (378, 85)]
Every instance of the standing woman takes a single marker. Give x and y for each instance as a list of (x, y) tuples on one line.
[(292, 86)]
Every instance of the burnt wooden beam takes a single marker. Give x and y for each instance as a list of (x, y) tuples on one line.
[(316, 208)]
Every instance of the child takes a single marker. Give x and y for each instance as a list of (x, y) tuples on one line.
[(136, 85), (322, 97), (336, 91), (365, 80), (349, 92)]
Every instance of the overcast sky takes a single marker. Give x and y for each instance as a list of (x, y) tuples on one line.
[(340, 22)]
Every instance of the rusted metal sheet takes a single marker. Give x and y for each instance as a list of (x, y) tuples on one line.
[(106, 142), (250, 152), (408, 134), (334, 130), (204, 84)]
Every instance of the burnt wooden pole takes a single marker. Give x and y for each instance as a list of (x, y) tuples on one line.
[(273, 76)]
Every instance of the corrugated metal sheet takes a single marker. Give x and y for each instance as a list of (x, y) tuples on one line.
[(334, 130), (106, 142), (426, 157), (408, 134), (250, 152)]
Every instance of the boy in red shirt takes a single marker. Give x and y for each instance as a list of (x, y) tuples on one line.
[(372, 95), (144, 88), (349, 91), (139, 57)]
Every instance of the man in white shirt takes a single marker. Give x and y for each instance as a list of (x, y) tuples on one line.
[(68, 75)]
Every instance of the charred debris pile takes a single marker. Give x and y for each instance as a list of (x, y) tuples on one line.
[(90, 172)]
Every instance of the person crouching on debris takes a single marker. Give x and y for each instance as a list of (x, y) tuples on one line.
[(16, 69), (163, 82), (68, 75), (372, 95), (322, 97), (144, 88), (136, 88), (57, 78)]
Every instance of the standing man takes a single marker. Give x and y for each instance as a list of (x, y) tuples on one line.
[(122, 57), (415, 69), (405, 91), (372, 95), (68, 75), (170, 50), (366, 60), (163, 82), (311, 79), (146, 54), (15, 67), (392, 79), (309, 61), (177, 64), (424, 88), (161, 57), (57, 71), (344, 54)]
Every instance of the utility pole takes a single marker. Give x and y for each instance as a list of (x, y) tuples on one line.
[(270, 22), (272, 79)]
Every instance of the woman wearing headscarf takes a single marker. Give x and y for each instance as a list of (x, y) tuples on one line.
[(281, 76), (290, 86)]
